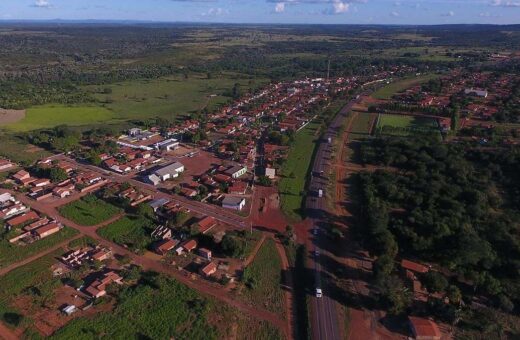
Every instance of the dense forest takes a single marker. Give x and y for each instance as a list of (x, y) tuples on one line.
[(446, 204)]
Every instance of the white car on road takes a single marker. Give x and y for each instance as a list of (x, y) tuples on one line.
[(319, 293)]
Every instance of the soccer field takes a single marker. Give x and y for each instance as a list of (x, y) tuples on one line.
[(400, 125)]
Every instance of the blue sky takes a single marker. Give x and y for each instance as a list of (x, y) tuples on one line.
[(271, 11)]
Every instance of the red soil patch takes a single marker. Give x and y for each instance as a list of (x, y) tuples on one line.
[(11, 116)]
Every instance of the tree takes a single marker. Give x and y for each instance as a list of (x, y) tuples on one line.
[(232, 246), (435, 282), (454, 295), (264, 181), (57, 175), (145, 210)]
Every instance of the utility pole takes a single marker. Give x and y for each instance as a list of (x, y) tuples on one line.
[(328, 69)]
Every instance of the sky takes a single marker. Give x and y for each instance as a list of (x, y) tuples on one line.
[(270, 11)]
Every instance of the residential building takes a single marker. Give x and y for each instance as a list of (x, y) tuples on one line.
[(206, 224), (236, 171), (161, 233), (97, 288), (189, 245), (164, 246), (424, 329), (270, 173), (22, 219), (46, 230), (205, 253), (5, 164), (209, 269)]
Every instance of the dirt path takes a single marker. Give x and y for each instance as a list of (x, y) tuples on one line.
[(15, 265), (204, 287), (11, 116), (289, 290), (251, 257), (6, 333), (363, 323)]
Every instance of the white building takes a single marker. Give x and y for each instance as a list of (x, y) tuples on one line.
[(475, 92), (168, 144), (236, 171), (168, 172), (270, 173), (232, 202)]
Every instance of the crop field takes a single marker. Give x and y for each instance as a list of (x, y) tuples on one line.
[(388, 91), (89, 211), (133, 231), (11, 253), (158, 308), (263, 278), (295, 170), (397, 125), (47, 116)]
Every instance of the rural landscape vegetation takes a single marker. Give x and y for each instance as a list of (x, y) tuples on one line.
[(222, 181)]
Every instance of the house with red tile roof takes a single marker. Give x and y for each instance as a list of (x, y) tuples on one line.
[(22, 219), (97, 288), (424, 329), (209, 269), (164, 246), (206, 224), (414, 266)]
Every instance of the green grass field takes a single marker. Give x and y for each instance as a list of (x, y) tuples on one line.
[(169, 97), (263, 278), (388, 91), (47, 116), (11, 253), (89, 211), (295, 170), (397, 125), (132, 231)]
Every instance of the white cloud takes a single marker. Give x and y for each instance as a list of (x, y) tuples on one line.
[(215, 12), (449, 14), (340, 7), (279, 7), (505, 3), (394, 14), (42, 4)]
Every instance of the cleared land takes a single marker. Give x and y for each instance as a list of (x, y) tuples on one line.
[(386, 92), (89, 211), (132, 231), (18, 150), (397, 125), (167, 97), (158, 308), (263, 277), (48, 116), (295, 170), (36, 274), (11, 253), (170, 97)]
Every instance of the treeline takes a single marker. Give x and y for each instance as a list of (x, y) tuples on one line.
[(446, 206)]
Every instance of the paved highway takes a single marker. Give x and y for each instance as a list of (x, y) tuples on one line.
[(325, 322)]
